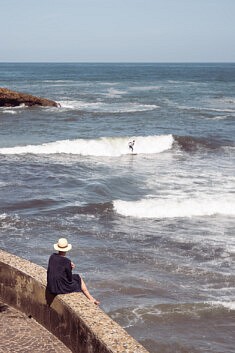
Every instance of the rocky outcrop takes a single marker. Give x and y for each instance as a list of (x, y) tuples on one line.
[(10, 98)]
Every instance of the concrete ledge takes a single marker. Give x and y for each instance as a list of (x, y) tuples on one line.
[(79, 324)]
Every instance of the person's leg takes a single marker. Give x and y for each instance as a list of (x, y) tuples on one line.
[(87, 294)]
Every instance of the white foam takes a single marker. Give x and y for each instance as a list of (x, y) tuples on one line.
[(12, 110), (3, 184), (227, 305), (3, 216), (104, 146), (222, 117), (8, 111), (220, 110), (9, 222), (145, 88), (175, 208), (107, 107), (115, 93), (225, 110)]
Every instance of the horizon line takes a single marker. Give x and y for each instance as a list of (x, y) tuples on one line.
[(117, 62)]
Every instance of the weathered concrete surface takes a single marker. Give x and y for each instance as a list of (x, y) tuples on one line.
[(79, 324), (10, 98), (21, 334)]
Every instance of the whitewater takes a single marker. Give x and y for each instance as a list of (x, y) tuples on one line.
[(176, 208), (104, 146)]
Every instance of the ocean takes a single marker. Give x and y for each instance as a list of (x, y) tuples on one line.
[(153, 230)]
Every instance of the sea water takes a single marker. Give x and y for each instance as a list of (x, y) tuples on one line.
[(153, 231)]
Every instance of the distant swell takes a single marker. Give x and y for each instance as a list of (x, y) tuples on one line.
[(93, 208), (191, 143), (104, 146), (167, 208), (30, 204)]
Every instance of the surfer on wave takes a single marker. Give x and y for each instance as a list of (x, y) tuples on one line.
[(131, 145)]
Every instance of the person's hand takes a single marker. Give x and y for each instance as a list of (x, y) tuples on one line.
[(93, 300), (72, 265), (96, 302)]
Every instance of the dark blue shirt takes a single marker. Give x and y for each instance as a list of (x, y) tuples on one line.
[(60, 279)]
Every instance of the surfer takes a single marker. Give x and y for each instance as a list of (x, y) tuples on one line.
[(131, 145), (60, 279)]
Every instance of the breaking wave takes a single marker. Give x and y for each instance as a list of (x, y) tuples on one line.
[(104, 146), (166, 208)]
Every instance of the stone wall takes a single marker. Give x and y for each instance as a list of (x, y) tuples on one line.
[(80, 325)]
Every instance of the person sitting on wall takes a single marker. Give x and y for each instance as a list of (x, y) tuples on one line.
[(60, 279)]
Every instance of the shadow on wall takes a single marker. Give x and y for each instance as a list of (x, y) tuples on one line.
[(49, 297)]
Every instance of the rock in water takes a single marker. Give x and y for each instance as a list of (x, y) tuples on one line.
[(10, 98)]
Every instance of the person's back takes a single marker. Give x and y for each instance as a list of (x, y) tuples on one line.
[(59, 275), (60, 279)]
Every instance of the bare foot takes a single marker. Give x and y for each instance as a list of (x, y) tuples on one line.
[(96, 302)]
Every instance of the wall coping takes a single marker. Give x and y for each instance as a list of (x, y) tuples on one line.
[(79, 324)]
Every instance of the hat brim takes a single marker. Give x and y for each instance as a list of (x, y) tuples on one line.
[(67, 248)]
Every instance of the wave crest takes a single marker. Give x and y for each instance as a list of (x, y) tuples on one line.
[(166, 208), (104, 146)]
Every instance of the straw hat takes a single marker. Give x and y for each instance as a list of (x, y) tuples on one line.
[(62, 245)]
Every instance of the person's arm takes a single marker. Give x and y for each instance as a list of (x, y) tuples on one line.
[(87, 294), (68, 270)]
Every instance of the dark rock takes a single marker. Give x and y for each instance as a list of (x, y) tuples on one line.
[(10, 98)]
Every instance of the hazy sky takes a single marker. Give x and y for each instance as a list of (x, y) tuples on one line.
[(117, 30)]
